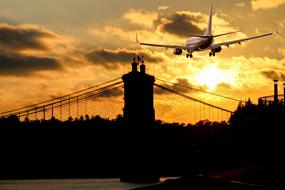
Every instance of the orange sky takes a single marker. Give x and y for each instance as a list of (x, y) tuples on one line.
[(50, 48)]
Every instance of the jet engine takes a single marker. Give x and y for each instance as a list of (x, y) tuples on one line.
[(177, 51), (217, 49)]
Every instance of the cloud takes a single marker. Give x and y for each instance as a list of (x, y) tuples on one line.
[(224, 85), (111, 59), (23, 37), (281, 51), (182, 24), (116, 36), (141, 17), (274, 75), (265, 4), (27, 48), (17, 64), (251, 75), (182, 82), (181, 87), (166, 29), (163, 7), (109, 31), (240, 4)]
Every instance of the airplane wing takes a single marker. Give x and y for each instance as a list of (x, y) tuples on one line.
[(238, 41), (166, 46)]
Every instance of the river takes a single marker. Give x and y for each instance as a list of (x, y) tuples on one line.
[(68, 184)]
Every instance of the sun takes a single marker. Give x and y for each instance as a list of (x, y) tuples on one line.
[(210, 77)]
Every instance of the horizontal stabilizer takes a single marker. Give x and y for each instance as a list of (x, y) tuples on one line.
[(200, 36), (225, 34)]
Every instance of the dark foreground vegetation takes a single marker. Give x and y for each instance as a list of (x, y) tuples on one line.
[(97, 147)]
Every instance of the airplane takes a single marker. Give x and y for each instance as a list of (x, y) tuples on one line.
[(203, 42)]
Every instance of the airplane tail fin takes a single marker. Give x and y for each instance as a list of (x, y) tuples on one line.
[(209, 27)]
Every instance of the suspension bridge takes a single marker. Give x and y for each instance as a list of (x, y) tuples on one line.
[(173, 102)]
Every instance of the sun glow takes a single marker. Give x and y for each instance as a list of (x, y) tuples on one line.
[(211, 77)]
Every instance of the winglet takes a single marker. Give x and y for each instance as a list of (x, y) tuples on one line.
[(276, 30), (137, 39)]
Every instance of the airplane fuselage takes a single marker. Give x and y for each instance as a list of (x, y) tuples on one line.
[(199, 44)]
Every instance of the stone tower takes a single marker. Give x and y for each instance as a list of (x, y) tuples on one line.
[(139, 146), (138, 97)]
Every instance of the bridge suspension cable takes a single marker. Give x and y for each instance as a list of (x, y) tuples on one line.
[(75, 99), (61, 101), (203, 91), (191, 98), (72, 104), (57, 98)]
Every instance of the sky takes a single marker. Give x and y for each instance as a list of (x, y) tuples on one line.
[(51, 48)]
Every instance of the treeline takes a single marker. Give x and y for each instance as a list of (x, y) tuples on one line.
[(99, 147), (258, 132), (91, 121), (91, 146)]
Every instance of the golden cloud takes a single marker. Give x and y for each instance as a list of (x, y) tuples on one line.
[(111, 59), (181, 24), (264, 4), (254, 72), (28, 48), (168, 29), (240, 4), (19, 64), (163, 7), (185, 23), (281, 51), (181, 85), (23, 37), (141, 17), (33, 40)]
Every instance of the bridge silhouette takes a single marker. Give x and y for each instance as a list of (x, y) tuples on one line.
[(136, 147), (173, 102)]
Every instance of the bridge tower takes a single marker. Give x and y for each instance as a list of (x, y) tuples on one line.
[(138, 97), (139, 141)]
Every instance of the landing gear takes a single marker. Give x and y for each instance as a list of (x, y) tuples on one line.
[(212, 54), (189, 55)]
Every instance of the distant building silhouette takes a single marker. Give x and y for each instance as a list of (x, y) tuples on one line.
[(275, 91), (138, 97), (275, 98), (283, 93)]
